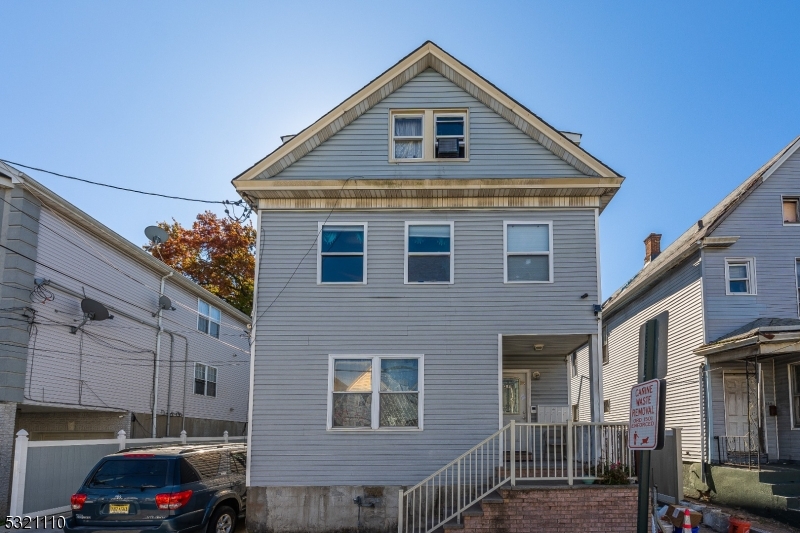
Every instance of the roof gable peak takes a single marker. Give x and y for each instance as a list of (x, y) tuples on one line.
[(428, 55)]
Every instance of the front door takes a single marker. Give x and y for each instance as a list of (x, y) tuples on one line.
[(741, 415), (516, 393)]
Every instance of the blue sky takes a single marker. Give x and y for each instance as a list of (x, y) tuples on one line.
[(685, 99)]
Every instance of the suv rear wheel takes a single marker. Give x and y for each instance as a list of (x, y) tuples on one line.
[(223, 521)]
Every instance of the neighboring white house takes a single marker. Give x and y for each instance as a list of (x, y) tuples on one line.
[(726, 296), (428, 262), (65, 377)]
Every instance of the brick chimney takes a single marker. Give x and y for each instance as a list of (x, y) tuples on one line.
[(652, 247)]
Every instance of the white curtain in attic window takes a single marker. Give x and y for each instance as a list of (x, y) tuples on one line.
[(408, 126), (408, 149), (528, 238)]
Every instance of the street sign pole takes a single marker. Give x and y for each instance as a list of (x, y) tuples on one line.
[(649, 367)]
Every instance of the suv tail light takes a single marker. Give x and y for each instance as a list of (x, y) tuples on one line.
[(172, 500), (77, 501)]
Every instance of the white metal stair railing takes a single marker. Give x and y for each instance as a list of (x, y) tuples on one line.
[(446, 493), (517, 452)]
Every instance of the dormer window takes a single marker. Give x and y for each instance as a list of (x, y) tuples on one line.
[(428, 135)]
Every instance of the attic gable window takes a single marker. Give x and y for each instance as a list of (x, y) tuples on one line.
[(428, 135), (791, 210), (450, 140), (407, 136)]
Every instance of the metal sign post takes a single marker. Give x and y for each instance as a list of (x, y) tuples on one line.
[(646, 430)]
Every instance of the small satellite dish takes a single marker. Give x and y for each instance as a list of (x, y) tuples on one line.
[(156, 235), (165, 303), (94, 310)]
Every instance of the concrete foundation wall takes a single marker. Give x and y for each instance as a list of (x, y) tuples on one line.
[(141, 427), (321, 509), (70, 425)]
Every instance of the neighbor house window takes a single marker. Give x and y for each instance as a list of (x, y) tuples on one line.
[(205, 380), (606, 406), (791, 210), (407, 136), (740, 276), (379, 392), (574, 364), (794, 380), (605, 345), (528, 252), (429, 252), (450, 141), (342, 257), (428, 135), (208, 318), (575, 412)]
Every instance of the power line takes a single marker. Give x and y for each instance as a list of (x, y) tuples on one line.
[(223, 202)]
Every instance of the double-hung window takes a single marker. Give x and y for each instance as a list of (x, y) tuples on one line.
[(407, 136), (740, 276), (528, 252), (342, 253), (208, 318), (605, 345), (375, 392), (450, 140), (794, 383), (428, 135), (429, 252), (205, 380)]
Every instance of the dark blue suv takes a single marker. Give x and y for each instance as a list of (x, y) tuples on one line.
[(177, 489)]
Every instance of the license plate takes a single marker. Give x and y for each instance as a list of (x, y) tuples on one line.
[(118, 508)]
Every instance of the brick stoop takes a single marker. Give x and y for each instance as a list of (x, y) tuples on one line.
[(554, 509)]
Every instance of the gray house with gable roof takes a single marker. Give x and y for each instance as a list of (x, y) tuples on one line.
[(428, 259), (726, 293)]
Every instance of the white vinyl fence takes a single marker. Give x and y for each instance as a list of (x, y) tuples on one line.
[(47, 473)]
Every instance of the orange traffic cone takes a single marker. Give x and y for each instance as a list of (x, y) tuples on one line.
[(687, 521)]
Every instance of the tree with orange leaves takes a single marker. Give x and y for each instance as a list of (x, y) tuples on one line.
[(216, 253)]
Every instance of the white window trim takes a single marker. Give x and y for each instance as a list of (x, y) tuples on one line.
[(506, 223), (429, 134), (410, 114), (376, 385), (205, 379), (208, 317), (797, 285), (319, 253), (751, 270), (793, 426), (452, 251), (785, 197)]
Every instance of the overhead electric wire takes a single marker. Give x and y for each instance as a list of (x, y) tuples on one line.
[(316, 239), (98, 254), (126, 189)]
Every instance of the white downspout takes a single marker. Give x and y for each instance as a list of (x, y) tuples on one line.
[(158, 354)]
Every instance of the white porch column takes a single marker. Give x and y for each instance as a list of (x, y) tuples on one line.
[(596, 378)]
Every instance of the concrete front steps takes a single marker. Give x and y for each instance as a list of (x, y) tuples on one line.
[(785, 487), (551, 508)]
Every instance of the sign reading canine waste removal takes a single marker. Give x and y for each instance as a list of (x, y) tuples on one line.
[(646, 430)]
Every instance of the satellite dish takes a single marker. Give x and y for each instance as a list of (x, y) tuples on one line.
[(94, 310), (165, 303), (156, 234)]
